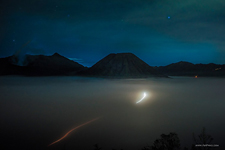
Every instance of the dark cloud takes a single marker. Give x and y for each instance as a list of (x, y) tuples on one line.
[(78, 9)]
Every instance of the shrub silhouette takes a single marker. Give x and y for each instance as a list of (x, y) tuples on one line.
[(172, 142), (97, 147), (166, 142)]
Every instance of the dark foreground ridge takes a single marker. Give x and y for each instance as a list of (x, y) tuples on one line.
[(39, 65), (122, 65)]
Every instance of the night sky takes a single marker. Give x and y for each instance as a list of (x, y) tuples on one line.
[(159, 32)]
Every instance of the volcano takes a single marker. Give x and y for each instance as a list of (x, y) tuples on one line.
[(40, 65), (122, 65)]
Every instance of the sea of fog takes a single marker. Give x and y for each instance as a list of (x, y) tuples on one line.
[(36, 111)]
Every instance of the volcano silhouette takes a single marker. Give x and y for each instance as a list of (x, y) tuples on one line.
[(40, 65), (122, 65)]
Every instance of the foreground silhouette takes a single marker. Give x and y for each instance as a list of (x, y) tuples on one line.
[(172, 142), (204, 141), (166, 142)]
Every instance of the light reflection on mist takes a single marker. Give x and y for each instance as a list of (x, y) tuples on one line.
[(144, 95), (36, 110)]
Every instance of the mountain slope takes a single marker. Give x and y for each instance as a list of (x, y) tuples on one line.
[(188, 69), (122, 65), (40, 65)]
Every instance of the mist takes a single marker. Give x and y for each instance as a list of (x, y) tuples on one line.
[(36, 111)]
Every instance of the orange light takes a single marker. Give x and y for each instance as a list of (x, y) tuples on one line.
[(73, 129), (196, 76), (217, 68)]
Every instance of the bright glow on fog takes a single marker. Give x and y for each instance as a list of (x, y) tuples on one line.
[(141, 98)]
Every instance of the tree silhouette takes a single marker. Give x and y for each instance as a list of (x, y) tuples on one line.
[(166, 142), (203, 139), (97, 147)]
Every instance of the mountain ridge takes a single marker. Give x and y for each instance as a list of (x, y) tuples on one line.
[(39, 65), (183, 68), (114, 65)]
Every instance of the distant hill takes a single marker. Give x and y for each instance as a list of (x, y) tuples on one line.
[(39, 65), (122, 65), (188, 69), (8, 68)]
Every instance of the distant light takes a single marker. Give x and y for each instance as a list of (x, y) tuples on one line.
[(141, 98), (168, 17), (196, 76), (217, 68)]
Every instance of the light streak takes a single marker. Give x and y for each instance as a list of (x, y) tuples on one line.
[(141, 98), (73, 129)]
